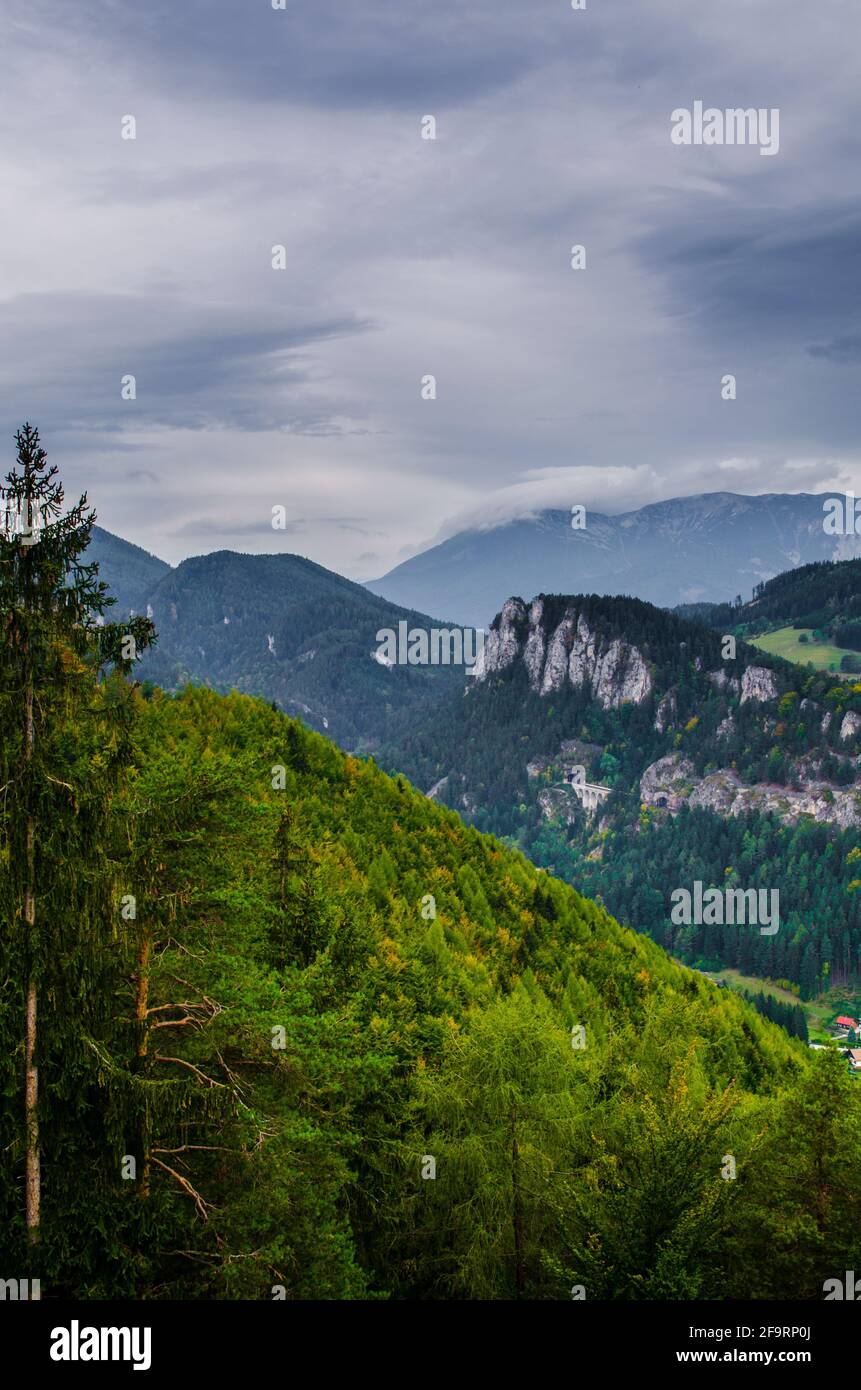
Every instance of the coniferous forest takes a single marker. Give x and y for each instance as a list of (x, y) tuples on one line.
[(274, 1024)]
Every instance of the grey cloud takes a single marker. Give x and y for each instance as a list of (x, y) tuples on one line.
[(209, 526), (846, 349), (410, 257), (195, 366), (328, 52), (213, 526)]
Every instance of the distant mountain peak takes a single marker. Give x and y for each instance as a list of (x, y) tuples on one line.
[(710, 545)]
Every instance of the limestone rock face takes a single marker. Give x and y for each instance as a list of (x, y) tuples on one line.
[(582, 660), (502, 647), (668, 782), (558, 649), (671, 783), (558, 803), (533, 654), (720, 679), (621, 675), (614, 670), (665, 713), (850, 726), (758, 683)]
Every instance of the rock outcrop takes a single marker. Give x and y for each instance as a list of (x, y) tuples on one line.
[(722, 681), (850, 725), (671, 783), (573, 652), (665, 713), (558, 803), (502, 644), (668, 782), (758, 683)]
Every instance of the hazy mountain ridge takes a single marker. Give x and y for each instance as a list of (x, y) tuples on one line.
[(708, 547)]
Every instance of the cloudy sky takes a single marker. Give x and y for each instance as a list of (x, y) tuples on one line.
[(408, 257)]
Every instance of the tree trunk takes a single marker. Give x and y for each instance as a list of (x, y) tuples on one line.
[(517, 1213), (143, 1042), (33, 1184), (31, 1073), (31, 1093)]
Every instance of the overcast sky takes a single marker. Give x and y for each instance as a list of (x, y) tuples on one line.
[(407, 257)]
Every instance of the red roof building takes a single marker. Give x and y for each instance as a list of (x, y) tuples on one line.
[(845, 1022)]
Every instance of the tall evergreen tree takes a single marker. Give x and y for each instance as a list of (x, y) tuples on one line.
[(65, 745)]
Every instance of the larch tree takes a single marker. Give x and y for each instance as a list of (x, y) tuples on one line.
[(500, 1120)]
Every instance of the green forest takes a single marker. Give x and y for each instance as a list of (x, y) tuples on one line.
[(275, 1025), (285, 629), (824, 596)]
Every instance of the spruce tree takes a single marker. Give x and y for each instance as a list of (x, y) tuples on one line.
[(65, 714)]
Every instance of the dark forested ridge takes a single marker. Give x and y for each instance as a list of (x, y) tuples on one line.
[(286, 629), (825, 596), (129, 572)]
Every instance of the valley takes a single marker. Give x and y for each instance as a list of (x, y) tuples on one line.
[(693, 757), (732, 772)]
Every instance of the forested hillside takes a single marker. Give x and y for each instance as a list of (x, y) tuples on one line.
[(341, 989), (823, 600), (284, 628), (129, 572), (737, 771)]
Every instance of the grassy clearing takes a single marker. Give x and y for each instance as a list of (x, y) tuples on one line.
[(785, 642), (756, 986), (820, 1012)]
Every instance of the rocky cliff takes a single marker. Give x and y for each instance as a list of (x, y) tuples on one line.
[(672, 782), (569, 650)]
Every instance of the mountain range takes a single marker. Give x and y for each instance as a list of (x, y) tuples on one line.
[(710, 547), (302, 636), (130, 572)]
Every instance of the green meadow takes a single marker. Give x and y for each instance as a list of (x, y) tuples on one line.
[(786, 642)]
